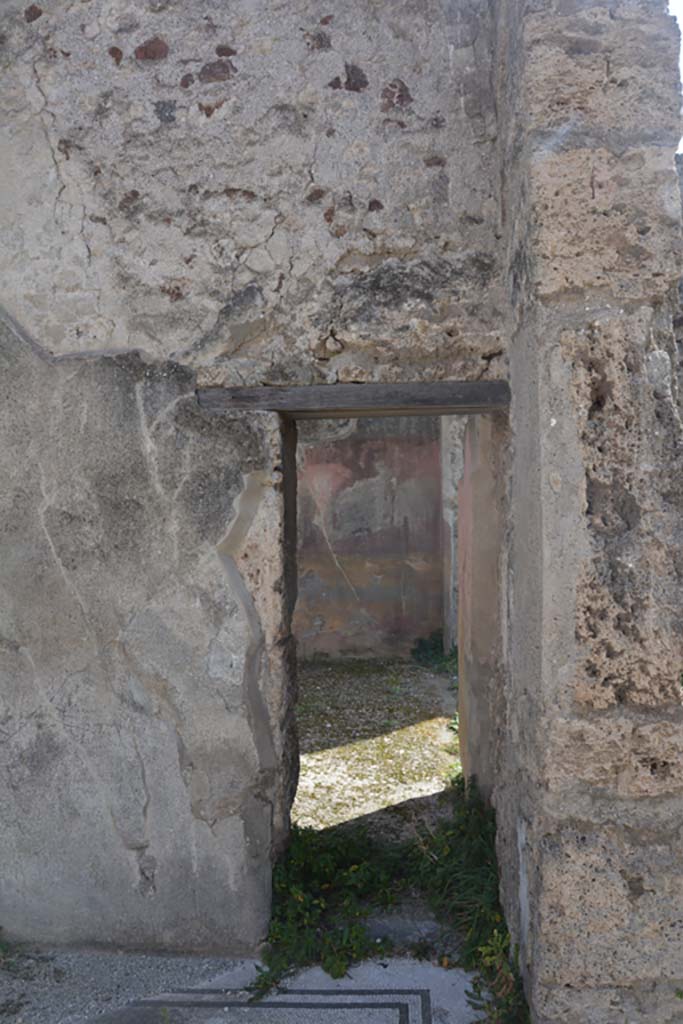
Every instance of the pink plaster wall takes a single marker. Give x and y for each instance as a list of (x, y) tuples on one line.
[(370, 575)]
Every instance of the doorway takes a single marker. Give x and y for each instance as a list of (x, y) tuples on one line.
[(482, 611), (376, 709)]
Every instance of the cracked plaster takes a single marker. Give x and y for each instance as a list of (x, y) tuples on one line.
[(239, 214), (412, 191)]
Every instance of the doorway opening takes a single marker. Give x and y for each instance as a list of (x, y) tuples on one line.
[(377, 662), (373, 729), (482, 518)]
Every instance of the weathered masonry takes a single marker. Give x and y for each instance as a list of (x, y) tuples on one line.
[(370, 193)]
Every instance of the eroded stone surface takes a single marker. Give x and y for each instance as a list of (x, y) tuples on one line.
[(197, 189), (139, 729), (590, 813), (274, 193)]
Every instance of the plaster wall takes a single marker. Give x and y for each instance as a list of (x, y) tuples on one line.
[(413, 191), (451, 437), (270, 193), (141, 620), (370, 562)]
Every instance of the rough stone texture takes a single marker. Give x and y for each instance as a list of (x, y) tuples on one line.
[(283, 213), (452, 432), (370, 562), (418, 190), (481, 572), (588, 793)]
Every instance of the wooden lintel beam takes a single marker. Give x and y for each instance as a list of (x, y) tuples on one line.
[(343, 401)]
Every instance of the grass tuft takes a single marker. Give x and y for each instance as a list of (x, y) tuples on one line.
[(327, 882), (323, 888), (455, 867), (428, 651)]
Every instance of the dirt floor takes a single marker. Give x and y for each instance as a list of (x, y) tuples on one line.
[(377, 744)]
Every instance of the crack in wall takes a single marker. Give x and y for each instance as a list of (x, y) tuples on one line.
[(90, 769), (245, 510), (48, 502), (323, 529)]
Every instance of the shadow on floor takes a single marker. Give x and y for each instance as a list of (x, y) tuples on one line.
[(342, 702)]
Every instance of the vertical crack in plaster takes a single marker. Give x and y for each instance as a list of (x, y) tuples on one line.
[(145, 862), (48, 502), (45, 109), (148, 447), (62, 185), (246, 508), (99, 783), (334, 557), (150, 454)]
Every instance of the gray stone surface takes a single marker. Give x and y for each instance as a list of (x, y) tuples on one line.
[(405, 191), (58, 987), (105, 988), (452, 431), (421, 992), (281, 213), (447, 988), (482, 567), (139, 704)]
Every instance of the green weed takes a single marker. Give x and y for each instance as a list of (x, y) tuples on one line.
[(327, 882), (455, 866), (428, 651), (323, 888)]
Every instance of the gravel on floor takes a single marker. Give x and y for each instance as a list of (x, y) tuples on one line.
[(376, 742), (49, 987)]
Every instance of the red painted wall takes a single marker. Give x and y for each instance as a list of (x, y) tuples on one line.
[(370, 575)]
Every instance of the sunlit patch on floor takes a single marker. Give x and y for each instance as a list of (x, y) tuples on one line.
[(373, 736)]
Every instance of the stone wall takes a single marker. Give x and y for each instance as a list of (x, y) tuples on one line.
[(419, 190), (589, 791), (370, 562), (270, 192), (452, 436), (482, 559), (142, 706), (196, 194)]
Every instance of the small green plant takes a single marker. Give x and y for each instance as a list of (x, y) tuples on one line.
[(429, 652), (323, 888), (327, 882), (497, 988), (456, 867)]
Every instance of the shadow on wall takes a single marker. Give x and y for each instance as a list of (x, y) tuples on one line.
[(369, 521)]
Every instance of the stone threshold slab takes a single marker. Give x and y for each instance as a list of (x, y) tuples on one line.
[(351, 1006), (328, 1011)]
